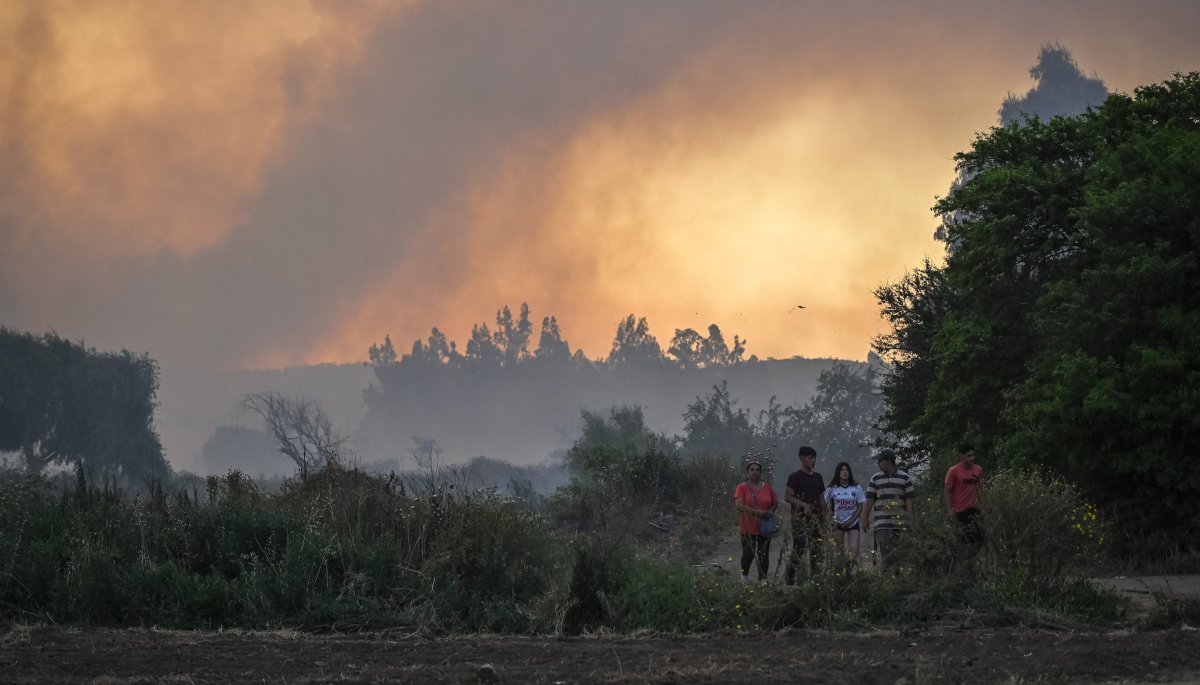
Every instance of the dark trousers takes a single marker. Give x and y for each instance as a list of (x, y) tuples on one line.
[(806, 534), (886, 541), (756, 546)]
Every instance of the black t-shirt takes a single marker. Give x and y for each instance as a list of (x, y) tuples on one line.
[(808, 488)]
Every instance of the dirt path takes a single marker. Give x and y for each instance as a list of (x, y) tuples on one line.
[(938, 655), (727, 557), (1144, 593)]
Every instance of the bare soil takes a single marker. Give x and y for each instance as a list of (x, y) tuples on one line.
[(51, 654)]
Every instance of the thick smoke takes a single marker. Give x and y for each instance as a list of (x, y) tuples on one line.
[(259, 184)]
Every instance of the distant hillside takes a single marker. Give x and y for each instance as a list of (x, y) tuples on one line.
[(520, 415), (524, 414)]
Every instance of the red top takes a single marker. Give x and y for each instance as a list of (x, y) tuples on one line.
[(964, 485), (762, 498)]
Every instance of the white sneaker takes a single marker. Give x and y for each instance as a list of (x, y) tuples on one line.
[(745, 579)]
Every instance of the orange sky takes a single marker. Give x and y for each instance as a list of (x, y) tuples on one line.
[(235, 184)]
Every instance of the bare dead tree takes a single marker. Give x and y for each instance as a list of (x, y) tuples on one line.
[(301, 429)]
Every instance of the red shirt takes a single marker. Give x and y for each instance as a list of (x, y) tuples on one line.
[(763, 498), (964, 485)]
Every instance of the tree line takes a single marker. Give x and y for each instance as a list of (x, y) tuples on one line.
[(839, 420), (509, 345), (506, 398)]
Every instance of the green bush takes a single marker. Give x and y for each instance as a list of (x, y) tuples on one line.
[(1041, 538)]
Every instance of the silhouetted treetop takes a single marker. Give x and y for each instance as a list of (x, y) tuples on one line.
[(1061, 90), (507, 346), (692, 350), (634, 346)]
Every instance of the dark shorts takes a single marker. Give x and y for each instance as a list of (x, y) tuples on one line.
[(854, 527), (967, 521)]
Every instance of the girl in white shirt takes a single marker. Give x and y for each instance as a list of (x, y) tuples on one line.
[(846, 500)]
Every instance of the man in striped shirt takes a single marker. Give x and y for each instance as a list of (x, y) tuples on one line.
[(890, 497)]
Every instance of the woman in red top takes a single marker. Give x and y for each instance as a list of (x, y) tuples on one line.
[(755, 500)]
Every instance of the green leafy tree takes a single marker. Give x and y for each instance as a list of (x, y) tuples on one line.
[(624, 428), (1061, 330), (915, 307), (621, 456), (840, 419), (714, 425)]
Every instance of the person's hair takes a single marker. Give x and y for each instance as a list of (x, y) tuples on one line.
[(807, 451), (886, 455), (965, 447), (753, 463), (837, 475)]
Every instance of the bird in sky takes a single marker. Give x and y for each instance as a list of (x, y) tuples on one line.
[(799, 306)]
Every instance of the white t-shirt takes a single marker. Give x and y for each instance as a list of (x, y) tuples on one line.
[(844, 501)]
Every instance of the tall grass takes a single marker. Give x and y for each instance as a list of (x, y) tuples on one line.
[(341, 548), (344, 549)]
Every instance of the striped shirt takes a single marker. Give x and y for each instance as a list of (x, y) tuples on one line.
[(888, 494)]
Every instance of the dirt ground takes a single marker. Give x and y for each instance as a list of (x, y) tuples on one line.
[(935, 655)]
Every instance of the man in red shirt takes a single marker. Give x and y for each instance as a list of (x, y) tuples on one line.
[(963, 481)]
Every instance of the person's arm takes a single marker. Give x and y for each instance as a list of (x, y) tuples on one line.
[(739, 501), (740, 504), (774, 502), (789, 496), (909, 495), (868, 507), (862, 505), (947, 493)]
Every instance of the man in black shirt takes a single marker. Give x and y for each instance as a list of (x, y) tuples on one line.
[(805, 492)]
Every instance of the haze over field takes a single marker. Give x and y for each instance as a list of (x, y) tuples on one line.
[(263, 184)]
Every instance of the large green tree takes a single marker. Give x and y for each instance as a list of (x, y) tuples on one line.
[(63, 403), (1061, 330), (840, 420)]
